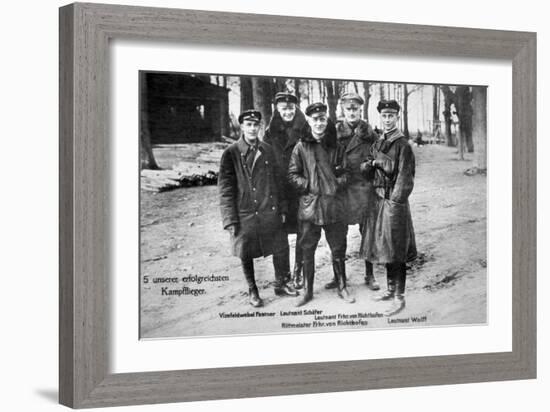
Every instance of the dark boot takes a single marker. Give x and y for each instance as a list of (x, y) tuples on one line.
[(370, 280), (398, 303), (333, 284), (339, 267), (390, 291), (282, 276), (309, 275), (284, 289), (253, 295), (297, 277)]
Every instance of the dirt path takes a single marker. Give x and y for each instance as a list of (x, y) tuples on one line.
[(182, 237)]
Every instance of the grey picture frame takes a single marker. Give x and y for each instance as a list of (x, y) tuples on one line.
[(85, 32)]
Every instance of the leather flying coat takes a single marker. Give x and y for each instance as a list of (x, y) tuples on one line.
[(252, 199), (283, 136), (312, 171), (388, 235), (359, 194)]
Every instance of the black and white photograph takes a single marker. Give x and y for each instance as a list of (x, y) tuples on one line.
[(285, 205)]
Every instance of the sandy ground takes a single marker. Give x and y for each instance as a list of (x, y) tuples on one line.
[(182, 237)]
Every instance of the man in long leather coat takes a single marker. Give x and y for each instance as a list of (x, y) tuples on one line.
[(284, 131), (317, 173), (390, 237), (252, 205), (356, 138)]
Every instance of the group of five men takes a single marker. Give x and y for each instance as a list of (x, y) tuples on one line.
[(309, 175)]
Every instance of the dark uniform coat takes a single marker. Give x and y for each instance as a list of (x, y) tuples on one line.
[(390, 238), (356, 143), (283, 136), (252, 199), (312, 171)]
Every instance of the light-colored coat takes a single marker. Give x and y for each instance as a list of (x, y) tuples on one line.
[(390, 237)]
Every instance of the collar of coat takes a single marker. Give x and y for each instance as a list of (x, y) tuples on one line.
[(243, 146), (328, 140), (297, 124), (278, 128), (393, 135), (363, 130)]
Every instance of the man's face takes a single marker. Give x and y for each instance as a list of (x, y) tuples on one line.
[(389, 119), (318, 122), (286, 110), (352, 112), (250, 129)]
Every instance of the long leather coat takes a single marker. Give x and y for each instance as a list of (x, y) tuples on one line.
[(283, 136), (359, 194), (252, 199), (313, 171), (390, 237)]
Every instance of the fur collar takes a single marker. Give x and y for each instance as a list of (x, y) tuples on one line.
[(329, 140)]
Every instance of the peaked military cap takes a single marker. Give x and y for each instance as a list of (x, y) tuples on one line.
[(346, 97), (316, 108), (285, 97), (250, 115), (388, 104)]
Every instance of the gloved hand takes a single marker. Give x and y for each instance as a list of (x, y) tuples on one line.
[(339, 171), (233, 229)]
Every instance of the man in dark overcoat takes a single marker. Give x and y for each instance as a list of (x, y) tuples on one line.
[(252, 205), (356, 136), (317, 173), (390, 237), (285, 130)]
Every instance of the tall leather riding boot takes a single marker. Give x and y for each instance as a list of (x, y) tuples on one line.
[(309, 275), (390, 278), (253, 295), (398, 303), (339, 267), (370, 280), (333, 284), (297, 277), (280, 266)]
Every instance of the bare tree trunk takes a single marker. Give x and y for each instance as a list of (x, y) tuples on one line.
[(297, 90), (435, 109), (280, 84), (449, 100), (366, 95), (332, 99), (262, 94), (480, 127), (405, 111), (381, 91), (464, 107), (322, 92), (145, 148), (460, 138), (247, 99)]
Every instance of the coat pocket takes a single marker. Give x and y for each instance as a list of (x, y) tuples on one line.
[(308, 207)]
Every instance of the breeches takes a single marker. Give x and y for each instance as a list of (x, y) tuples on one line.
[(335, 234)]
